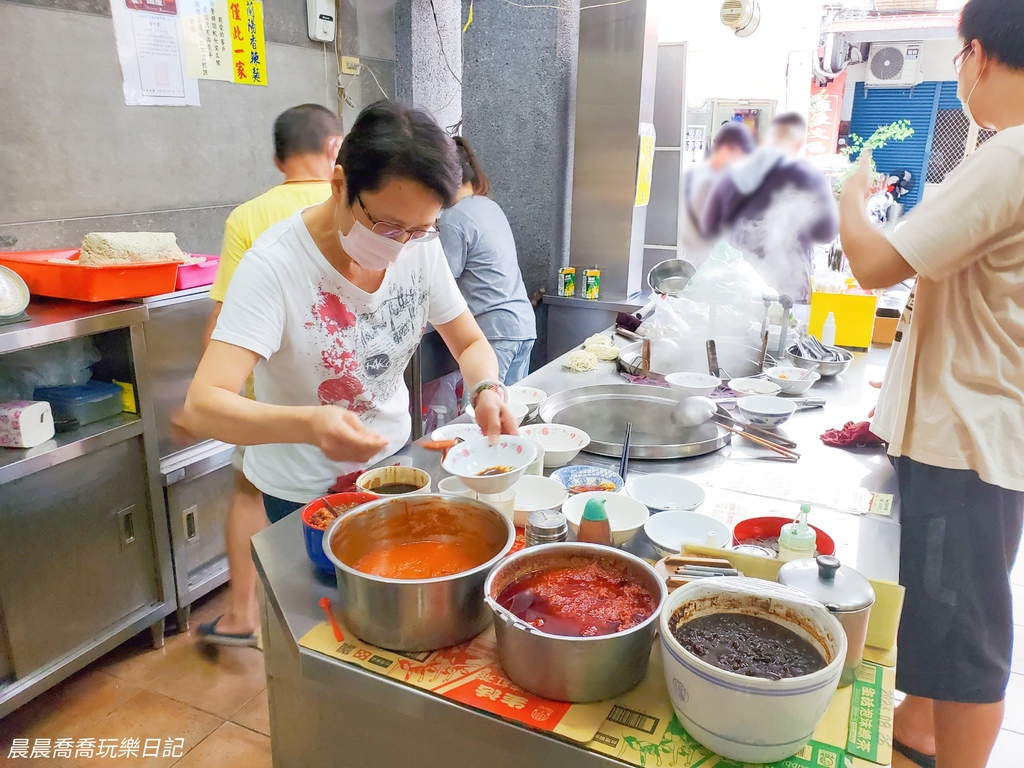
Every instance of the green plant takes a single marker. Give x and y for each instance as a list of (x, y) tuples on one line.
[(897, 131)]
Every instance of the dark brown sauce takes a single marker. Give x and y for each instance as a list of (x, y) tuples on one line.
[(493, 471), (749, 645), (394, 488)]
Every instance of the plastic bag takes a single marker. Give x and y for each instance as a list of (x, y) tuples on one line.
[(441, 400), (66, 363)]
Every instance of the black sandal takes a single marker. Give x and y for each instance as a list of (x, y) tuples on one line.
[(917, 758), (208, 633)]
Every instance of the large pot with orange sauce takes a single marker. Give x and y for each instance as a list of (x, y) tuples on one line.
[(411, 569)]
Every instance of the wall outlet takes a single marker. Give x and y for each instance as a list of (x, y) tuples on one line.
[(350, 65)]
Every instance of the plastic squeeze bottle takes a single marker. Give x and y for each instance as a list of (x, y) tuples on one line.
[(828, 331), (797, 539), (594, 527)]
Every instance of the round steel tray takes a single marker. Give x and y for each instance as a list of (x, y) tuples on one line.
[(603, 411), (687, 355)]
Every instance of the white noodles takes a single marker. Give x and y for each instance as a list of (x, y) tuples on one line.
[(580, 361)]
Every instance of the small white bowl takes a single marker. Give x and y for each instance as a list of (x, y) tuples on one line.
[(519, 411), (460, 431), (373, 479), (670, 530), (767, 412), (793, 381), (748, 386), (662, 491), (453, 486), (625, 514), (693, 384), (467, 460), (528, 396), (561, 444), (533, 493)]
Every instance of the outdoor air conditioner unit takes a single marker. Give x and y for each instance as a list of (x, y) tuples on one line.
[(893, 65)]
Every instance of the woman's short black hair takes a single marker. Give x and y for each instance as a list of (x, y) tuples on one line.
[(303, 130), (999, 26), (472, 171), (390, 140)]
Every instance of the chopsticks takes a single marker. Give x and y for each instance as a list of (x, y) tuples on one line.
[(764, 434), (624, 463), (782, 450)]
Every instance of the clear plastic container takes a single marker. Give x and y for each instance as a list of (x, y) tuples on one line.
[(83, 404)]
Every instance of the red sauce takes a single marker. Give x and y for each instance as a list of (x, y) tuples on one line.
[(418, 560), (578, 602)]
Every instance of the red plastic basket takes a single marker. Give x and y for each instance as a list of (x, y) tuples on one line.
[(55, 274)]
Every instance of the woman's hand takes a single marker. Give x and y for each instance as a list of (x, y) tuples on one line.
[(494, 417), (343, 437)]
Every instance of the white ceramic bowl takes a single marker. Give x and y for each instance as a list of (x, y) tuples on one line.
[(533, 493), (767, 412), (767, 720), (693, 384), (519, 411), (561, 444), (670, 530), (793, 381), (746, 386), (467, 460), (528, 396), (625, 514), (453, 486), (665, 491), (373, 479), (460, 431)]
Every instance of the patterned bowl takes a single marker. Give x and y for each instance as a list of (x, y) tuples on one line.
[(467, 461), (561, 443), (587, 475)]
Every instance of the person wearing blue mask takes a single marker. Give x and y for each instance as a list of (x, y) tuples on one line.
[(952, 405), (327, 308)]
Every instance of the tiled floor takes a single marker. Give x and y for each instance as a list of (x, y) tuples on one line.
[(216, 700)]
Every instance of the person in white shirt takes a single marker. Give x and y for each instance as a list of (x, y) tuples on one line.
[(326, 310), (952, 406)]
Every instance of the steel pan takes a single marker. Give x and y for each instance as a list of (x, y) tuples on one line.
[(689, 355), (603, 411)]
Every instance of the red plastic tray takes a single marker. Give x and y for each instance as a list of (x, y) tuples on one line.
[(196, 275), (54, 274)]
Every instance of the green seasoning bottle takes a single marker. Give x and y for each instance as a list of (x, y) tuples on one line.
[(594, 527)]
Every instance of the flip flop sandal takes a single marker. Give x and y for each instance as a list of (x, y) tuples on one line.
[(917, 758), (208, 634)]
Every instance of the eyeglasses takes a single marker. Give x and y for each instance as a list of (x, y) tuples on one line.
[(959, 60), (395, 232)]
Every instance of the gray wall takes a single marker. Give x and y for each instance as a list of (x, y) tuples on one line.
[(75, 159), (366, 30), (519, 88), (430, 71)]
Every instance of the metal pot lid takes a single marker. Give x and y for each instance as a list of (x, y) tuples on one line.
[(839, 588)]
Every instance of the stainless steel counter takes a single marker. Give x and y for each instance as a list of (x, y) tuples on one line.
[(325, 712)]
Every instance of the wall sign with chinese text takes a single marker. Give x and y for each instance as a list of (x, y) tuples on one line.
[(224, 40), (150, 48)]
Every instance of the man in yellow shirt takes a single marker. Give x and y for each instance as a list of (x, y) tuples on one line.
[(306, 143)]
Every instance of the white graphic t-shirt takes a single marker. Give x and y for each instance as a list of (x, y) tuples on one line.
[(326, 342)]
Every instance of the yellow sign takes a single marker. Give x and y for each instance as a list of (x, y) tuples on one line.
[(645, 164), (224, 40)]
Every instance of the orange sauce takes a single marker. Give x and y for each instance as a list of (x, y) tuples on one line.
[(417, 560)]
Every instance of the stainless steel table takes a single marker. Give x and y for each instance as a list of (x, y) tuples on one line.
[(327, 713)]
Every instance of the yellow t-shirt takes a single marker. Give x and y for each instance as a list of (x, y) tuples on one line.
[(252, 218)]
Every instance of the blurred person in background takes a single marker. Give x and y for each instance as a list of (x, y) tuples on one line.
[(733, 142), (306, 143), (775, 206), (481, 252), (952, 406)]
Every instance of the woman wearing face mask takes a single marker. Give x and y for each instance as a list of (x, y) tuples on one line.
[(952, 406), (481, 251), (328, 307)]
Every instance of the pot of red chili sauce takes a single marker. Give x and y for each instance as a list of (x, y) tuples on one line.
[(411, 569), (574, 622)]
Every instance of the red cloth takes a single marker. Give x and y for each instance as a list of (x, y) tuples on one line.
[(852, 436)]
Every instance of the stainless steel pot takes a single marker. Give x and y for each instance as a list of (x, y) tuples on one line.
[(844, 592), (416, 614), (573, 668)]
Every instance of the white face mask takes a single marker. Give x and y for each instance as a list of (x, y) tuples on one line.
[(966, 103), (370, 250)]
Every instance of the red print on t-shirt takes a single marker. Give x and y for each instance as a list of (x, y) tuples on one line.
[(345, 390)]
